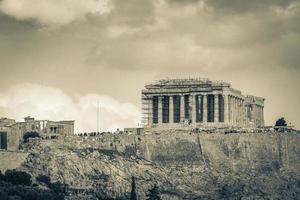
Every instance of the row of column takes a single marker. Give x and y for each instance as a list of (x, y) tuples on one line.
[(233, 109), (237, 114), (192, 110), (257, 115)]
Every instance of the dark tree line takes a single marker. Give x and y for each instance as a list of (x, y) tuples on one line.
[(18, 185), (16, 177)]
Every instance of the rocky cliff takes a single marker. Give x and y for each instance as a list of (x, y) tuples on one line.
[(184, 165)]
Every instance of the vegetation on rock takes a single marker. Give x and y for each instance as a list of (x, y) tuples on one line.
[(16, 177), (18, 185), (235, 167), (10, 191), (133, 195), (29, 135), (153, 193)]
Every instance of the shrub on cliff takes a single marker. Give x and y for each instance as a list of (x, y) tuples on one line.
[(43, 179), (129, 151), (281, 122), (59, 188), (9, 191), (133, 195), (153, 193), (31, 134), (17, 177)]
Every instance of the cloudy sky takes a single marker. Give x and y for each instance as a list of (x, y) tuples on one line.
[(58, 58)]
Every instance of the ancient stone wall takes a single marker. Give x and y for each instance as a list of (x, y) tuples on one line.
[(218, 150), (255, 149), (232, 150), (13, 141)]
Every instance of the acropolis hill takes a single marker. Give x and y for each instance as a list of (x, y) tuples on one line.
[(201, 140)]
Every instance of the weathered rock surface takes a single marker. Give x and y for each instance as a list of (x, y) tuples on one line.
[(11, 160), (232, 166)]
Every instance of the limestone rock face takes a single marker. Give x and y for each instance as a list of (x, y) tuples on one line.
[(228, 166), (102, 173)]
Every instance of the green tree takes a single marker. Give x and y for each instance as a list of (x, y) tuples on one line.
[(32, 134), (153, 193), (133, 195), (281, 122)]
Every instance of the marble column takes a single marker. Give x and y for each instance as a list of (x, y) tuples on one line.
[(237, 111), (255, 115), (192, 100), (160, 109), (171, 110), (216, 108), (262, 116), (204, 108), (258, 115), (182, 114), (243, 112), (229, 109), (226, 109), (240, 119), (234, 110), (150, 110)]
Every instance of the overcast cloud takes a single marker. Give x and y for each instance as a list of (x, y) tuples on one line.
[(112, 48), (54, 12), (43, 102)]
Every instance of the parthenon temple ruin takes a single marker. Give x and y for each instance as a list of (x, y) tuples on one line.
[(199, 103)]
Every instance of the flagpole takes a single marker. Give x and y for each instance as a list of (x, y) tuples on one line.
[(98, 117)]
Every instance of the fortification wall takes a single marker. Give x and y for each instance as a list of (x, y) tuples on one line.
[(224, 151), (234, 151), (230, 151)]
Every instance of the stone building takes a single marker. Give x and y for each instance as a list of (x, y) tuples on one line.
[(5, 132), (199, 102), (11, 132)]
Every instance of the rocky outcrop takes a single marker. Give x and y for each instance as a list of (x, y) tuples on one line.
[(227, 166), (97, 172)]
